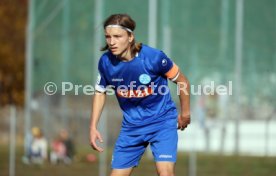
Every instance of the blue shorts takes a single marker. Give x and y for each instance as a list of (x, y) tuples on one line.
[(129, 148)]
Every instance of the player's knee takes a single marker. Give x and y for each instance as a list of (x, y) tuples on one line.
[(165, 169), (166, 173)]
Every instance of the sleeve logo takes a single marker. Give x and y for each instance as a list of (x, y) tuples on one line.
[(164, 62)]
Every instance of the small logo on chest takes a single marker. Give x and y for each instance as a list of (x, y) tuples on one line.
[(144, 78), (117, 79)]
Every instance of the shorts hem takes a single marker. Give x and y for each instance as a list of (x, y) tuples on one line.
[(127, 167), (173, 161)]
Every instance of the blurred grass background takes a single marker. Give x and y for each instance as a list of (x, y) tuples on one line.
[(208, 165)]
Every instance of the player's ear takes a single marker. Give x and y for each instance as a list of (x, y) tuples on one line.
[(130, 37)]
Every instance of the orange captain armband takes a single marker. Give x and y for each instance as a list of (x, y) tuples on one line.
[(173, 73)]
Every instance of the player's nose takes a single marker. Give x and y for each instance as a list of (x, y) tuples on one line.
[(112, 41)]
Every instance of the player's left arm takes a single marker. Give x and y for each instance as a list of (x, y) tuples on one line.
[(183, 90)]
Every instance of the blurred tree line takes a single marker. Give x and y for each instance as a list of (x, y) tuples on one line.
[(13, 16)]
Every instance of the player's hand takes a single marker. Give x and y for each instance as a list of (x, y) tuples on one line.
[(95, 136), (183, 121)]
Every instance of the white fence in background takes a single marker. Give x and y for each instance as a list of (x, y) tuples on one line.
[(257, 138)]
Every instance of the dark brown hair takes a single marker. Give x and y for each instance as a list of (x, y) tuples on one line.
[(126, 21)]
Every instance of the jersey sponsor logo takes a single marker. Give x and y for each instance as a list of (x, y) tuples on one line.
[(135, 93), (165, 156), (117, 79), (144, 78)]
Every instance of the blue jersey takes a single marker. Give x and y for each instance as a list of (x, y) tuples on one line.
[(141, 87)]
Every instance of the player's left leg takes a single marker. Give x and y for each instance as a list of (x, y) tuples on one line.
[(164, 148), (121, 172), (165, 168)]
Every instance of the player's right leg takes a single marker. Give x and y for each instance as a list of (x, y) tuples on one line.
[(121, 172), (127, 153)]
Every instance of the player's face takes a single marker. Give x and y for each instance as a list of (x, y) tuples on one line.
[(118, 40)]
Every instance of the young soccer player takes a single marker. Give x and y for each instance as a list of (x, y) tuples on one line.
[(139, 75)]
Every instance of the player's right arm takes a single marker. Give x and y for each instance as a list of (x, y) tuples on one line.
[(97, 107)]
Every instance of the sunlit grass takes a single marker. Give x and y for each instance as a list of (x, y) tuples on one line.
[(207, 165)]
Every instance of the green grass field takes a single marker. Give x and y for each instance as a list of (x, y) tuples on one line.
[(207, 165)]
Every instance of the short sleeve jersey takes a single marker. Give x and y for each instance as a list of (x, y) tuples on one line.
[(141, 87)]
